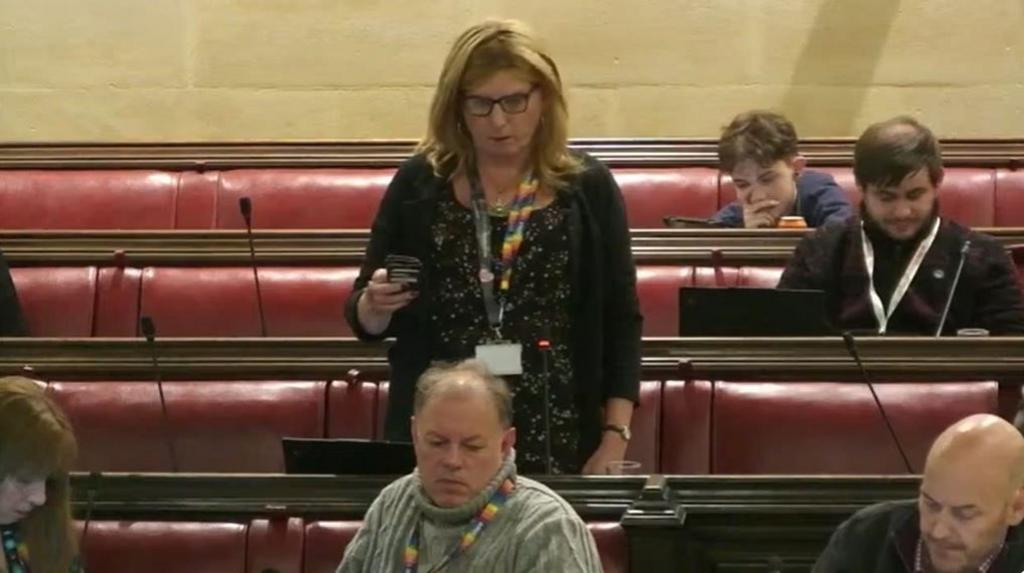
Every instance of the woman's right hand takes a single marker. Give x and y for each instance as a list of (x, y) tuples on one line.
[(380, 299)]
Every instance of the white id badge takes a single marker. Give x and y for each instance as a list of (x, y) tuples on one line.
[(501, 358)]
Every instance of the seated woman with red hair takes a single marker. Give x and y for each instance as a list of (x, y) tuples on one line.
[(37, 447)]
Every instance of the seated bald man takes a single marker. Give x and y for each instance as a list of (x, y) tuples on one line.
[(464, 508), (966, 517)]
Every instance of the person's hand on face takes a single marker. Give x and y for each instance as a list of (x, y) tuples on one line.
[(383, 297), (766, 193), (760, 214)]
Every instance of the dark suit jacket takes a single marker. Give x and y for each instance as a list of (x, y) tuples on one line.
[(11, 321), (988, 296), (883, 538), (606, 321)]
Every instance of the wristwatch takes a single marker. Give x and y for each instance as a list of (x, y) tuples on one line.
[(620, 430)]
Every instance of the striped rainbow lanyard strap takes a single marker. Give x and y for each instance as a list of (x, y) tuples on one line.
[(517, 216), (469, 535)]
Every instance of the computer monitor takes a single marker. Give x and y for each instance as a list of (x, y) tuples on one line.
[(753, 312), (343, 456)]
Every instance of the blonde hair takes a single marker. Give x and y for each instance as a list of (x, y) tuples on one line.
[(479, 53), (36, 441)]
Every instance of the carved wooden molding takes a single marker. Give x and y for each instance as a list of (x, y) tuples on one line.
[(889, 359), (347, 247), (1007, 153)]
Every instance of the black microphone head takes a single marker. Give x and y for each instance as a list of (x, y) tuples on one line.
[(245, 205), (148, 329), (850, 343)]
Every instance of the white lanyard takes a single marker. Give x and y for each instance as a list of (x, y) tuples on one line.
[(882, 314)]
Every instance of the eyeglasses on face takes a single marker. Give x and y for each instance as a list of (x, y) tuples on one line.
[(480, 106)]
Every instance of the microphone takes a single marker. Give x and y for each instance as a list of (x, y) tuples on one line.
[(716, 263), (149, 331), (544, 345), (952, 289), (245, 206), (94, 488), (851, 348)]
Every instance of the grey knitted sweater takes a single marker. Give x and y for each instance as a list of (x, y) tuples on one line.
[(536, 530)]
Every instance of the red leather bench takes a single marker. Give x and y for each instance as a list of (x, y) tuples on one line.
[(221, 301), (215, 426), (686, 427), (78, 301), (107, 199), (832, 428), (165, 547), (333, 198)]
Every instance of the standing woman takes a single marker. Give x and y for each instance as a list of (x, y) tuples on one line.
[(522, 242), (36, 451)]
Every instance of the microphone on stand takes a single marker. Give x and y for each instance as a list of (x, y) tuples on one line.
[(245, 206), (544, 345), (95, 479), (851, 348), (952, 289), (149, 331)]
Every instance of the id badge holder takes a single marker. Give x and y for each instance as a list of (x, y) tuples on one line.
[(502, 357)]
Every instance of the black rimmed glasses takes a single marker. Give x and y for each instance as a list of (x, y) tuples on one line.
[(480, 106)]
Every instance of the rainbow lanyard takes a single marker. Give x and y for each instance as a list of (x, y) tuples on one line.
[(469, 535), (519, 212), (15, 551)]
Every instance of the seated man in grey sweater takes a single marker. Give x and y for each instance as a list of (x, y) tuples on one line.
[(464, 508)]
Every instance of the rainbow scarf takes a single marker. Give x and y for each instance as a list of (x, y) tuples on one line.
[(518, 214), (469, 535)]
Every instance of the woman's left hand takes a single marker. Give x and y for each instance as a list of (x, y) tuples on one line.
[(612, 449)]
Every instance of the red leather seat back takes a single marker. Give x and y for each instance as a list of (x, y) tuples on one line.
[(1009, 198), (686, 427), (118, 425), (302, 198), (382, 409), (237, 426), (834, 428), (221, 301), (214, 426), (165, 547), (352, 410), (117, 302), (658, 292), (968, 196), (612, 546), (325, 544), (275, 544), (306, 301), (646, 428), (87, 199), (57, 301), (652, 193)]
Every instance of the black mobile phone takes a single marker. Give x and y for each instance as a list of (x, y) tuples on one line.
[(404, 270)]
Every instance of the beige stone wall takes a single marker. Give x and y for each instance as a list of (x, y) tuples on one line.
[(158, 70)]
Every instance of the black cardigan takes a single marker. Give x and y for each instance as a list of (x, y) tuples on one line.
[(11, 321), (606, 321)]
